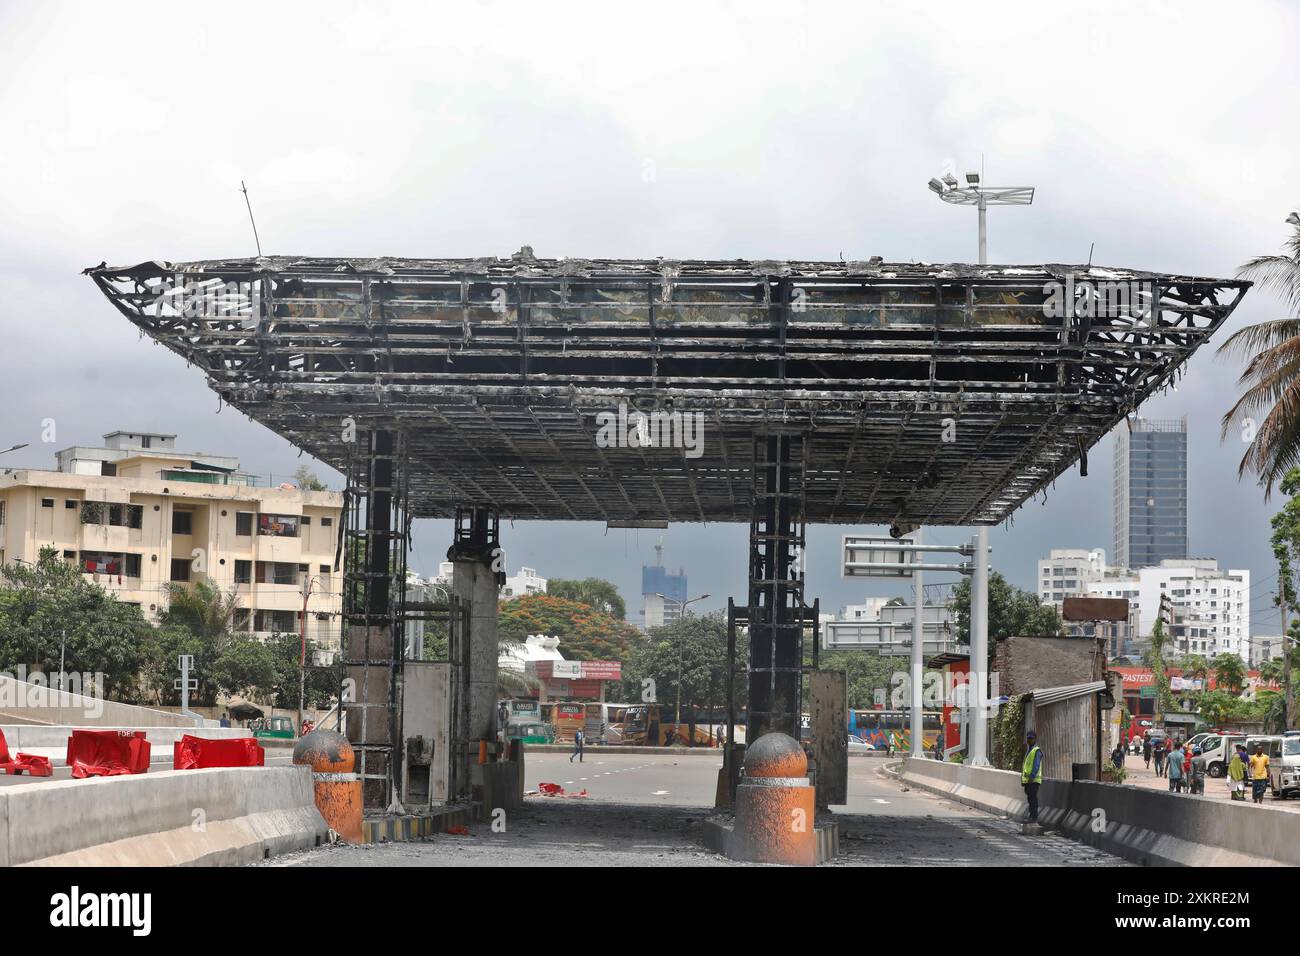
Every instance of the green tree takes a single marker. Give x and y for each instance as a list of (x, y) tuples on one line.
[(198, 620), (306, 480), (1229, 673), (246, 667), (594, 592), (686, 662), (1154, 658), (322, 682), (1286, 551), (49, 610), (865, 674), (1271, 378), (1012, 612)]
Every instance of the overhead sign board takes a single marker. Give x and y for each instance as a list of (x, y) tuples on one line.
[(878, 557)]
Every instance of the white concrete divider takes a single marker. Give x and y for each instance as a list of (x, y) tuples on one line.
[(1150, 827), (38, 702), (220, 816)]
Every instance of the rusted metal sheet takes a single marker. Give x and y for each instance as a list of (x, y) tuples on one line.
[(1067, 734), (830, 730), (1094, 609)]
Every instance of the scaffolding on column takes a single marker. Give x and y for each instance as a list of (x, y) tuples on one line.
[(775, 611), (375, 537)]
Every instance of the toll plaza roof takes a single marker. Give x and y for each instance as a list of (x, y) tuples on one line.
[(631, 390)]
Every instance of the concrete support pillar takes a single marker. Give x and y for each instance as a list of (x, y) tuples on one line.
[(979, 652), (475, 583)]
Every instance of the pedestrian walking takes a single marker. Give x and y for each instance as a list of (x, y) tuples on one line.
[(1237, 774), (1146, 751), (1258, 773), (1160, 758), (1031, 773), (577, 747), (1196, 773), (1174, 768), (938, 746), (1117, 755)]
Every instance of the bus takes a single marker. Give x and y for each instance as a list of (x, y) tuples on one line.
[(568, 717), (652, 725), (880, 728)]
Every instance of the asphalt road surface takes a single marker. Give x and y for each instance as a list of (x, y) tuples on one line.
[(647, 811)]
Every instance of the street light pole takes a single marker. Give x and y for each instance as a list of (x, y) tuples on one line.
[(681, 616), (302, 653), (981, 197)]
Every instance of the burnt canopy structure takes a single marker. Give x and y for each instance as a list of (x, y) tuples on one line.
[(769, 392), (496, 370)]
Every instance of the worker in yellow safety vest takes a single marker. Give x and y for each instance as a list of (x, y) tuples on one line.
[(1031, 773)]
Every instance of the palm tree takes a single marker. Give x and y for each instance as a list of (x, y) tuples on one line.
[(1272, 374)]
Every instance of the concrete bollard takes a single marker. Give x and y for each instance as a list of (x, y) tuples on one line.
[(337, 787), (775, 805)]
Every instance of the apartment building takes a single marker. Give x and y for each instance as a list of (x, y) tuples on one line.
[(136, 514), (1211, 607)]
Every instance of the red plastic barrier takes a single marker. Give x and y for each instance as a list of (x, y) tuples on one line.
[(107, 753), (196, 753), (36, 766)]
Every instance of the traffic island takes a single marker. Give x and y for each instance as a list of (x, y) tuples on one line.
[(775, 817)]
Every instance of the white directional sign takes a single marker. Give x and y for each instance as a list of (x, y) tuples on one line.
[(883, 557)]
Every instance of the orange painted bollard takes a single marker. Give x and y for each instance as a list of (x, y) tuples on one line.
[(776, 806), (337, 787), (482, 751)]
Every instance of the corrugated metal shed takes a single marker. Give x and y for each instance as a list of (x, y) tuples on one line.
[(1066, 721)]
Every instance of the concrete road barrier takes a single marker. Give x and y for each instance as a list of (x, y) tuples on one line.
[(1149, 827), (220, 816)]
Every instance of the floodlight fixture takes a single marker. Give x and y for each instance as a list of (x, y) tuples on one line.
[(936, 186)]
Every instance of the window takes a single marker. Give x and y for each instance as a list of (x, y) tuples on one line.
[(325, 569), (2, 512), (132, 565), (306, 520), (180, 569), (243, 573), (108, 469), (70, 555), (92, 512), (244, 523), (182, 522), (278, 526), (285, 622), (47, 502), (326, 522), (69, 502), (125, 516)]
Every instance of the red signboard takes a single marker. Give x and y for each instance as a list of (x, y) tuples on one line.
[(602, 670)]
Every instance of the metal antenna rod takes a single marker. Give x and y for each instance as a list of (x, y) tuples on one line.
[(251, 219)]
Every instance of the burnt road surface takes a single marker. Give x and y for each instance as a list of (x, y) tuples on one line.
[(647, 811)]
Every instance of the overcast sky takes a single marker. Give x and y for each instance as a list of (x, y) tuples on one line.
[(1165, 134)]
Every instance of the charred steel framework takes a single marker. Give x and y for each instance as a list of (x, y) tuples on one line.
[(497, 370), (375, 542)]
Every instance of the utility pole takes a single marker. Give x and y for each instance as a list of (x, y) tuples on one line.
[(302, 653), (917, 717), (1286, 659)]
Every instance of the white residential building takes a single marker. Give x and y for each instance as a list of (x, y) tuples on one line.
[(525, 582), (1211, 607), (1067, 572)]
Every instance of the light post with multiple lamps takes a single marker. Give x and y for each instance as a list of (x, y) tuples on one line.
[(976, 194)]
